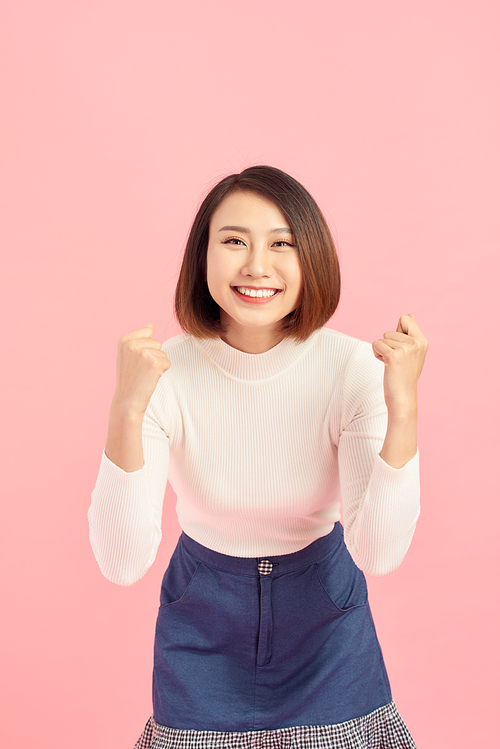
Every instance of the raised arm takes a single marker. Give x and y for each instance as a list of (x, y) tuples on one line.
[(378, 455), (403, 353), (125, 513), (139, 365)]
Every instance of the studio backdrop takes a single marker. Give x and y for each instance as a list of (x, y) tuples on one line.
[(117, 118)]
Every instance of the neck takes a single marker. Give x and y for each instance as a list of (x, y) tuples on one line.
[(251, 340)]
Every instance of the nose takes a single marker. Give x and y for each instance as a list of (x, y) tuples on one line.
[(258, 263)]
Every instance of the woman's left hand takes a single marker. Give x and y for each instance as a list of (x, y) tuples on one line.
[(403, 353)]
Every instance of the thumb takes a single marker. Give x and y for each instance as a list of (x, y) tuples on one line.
[(403, 326), (146, 332)]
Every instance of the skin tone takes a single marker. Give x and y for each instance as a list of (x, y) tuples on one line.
[(251, 247), (403, 352), (140, 364)]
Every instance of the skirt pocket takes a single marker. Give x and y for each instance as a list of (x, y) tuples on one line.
[(180, 573), (342, 583)]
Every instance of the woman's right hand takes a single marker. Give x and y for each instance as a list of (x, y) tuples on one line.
[(139, 366)]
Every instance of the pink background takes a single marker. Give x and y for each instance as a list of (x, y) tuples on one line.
[(117, 118)]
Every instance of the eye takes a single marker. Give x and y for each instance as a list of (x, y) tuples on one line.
[(283, 243), (234, 240)]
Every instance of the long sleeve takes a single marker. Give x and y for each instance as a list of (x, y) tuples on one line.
[(126, 508), (254, 476), (380, 504)]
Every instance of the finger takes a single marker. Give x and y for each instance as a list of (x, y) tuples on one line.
[(410, 315), (146, 332), (160, 355), (403, 324), (391, 345), (396, 336), (408, 325), (414, 330), (411, 331), (381, 349), (144, 343), (161, 359)]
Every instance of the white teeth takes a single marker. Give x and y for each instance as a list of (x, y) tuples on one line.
[(256, 292)]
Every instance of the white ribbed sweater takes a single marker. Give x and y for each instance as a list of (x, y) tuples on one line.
[(260, 450)]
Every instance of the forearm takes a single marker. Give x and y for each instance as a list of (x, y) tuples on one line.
[(379, 470), (124, 442), (400, 444), (380, 529), (125, 513), (124, 529)]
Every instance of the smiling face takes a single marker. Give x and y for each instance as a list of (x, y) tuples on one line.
[(253, 270)]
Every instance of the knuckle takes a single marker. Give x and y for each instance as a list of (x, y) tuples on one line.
[(130, 346)]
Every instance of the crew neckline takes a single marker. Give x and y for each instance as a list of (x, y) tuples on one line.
[(240, 365)]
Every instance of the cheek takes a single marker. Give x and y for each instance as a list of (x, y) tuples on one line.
[(297, 285), (212, 270), (295, 274), (216, 276)]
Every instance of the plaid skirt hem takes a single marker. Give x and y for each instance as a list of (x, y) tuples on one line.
[(384, 728)]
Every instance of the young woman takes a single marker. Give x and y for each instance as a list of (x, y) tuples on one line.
[(264, 634)]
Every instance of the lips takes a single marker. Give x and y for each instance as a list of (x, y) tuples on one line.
[(256, 291), (252, 295)]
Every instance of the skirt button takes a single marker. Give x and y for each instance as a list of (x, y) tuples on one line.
[(265, 567)]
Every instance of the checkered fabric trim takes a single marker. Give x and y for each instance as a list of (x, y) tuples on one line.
[(382, 729), (146, 739), (265, 567)]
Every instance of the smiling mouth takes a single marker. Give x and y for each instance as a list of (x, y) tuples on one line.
[(257, 293)]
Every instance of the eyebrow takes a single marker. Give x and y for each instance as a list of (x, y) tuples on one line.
[(245, 230)]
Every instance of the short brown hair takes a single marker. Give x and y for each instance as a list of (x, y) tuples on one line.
[(199, 314)]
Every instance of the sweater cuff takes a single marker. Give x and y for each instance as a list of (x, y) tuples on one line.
[(108, 467), (408, 467)]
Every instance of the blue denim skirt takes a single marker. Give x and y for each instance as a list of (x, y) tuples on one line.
[(263, 644)]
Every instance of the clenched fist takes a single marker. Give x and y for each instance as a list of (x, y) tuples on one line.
[(403, 353), (139, 366)]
